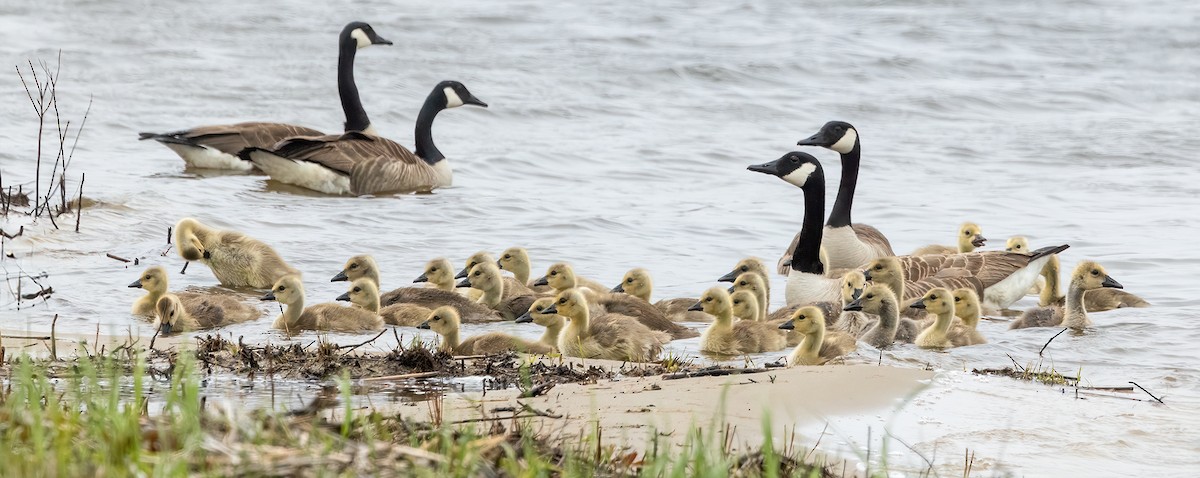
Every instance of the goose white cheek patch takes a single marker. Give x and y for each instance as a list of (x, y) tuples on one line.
[(800, 175), (452, 99), (846, 144), (360, 37)]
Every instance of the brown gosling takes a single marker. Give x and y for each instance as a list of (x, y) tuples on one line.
[(553, 323), (364, 294), (608, 336), (1087, 276), (968, 310), (943, 334), (726, 337), (172, 315), (891, 328), (1095, 300), (237, 260), (289, 291), (637, 283), (154, 281), (818, 346), (970, 237), (485, 277), (445, 321)]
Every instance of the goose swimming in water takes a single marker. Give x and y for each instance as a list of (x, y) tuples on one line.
[(173, 315), (970, 237), (1087, 276), (289, 291), (237, 260), (360, 163), (217, 147)]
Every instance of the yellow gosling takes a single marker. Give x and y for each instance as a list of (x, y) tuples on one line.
[(445, 321), (173, 316), (726, 337), (553, 323), (289, 291), (237, 260), (817, 347), (608, 336)]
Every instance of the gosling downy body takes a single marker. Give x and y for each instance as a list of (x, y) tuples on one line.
[(428, 297), (331, 317), (553, 323), (943, 334), (445, 321), (970, 237), (880, 301), (512, 286), (562, 278), (365, 294), (609, 336), (1087, 276), (173, 315), (154, 281), (726, 337), (485, 277), (217, 147), (237, 260), (818, 346), (637, 283), (516, 260), (358, 163), (969, 312), (1095, 300), (438, 274)]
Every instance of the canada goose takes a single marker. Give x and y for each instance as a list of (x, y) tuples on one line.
[(817, 347), (637, 283), (1087, 276), (970, 236), (361, 163), (445, 321), (726, 337), (439, 274), (289, 291), (427, 297), (807, 282), (516, 260), (1021, 244), (553, 323), (216, 147), (847, 245), (154, 280), (173, 315), (608, 336), (757, 283), (237, 260), (1095, 300), (365, 294), (880, 301), (486, 278), (854, 321), (968, 310), (561, 276), (943, 334)]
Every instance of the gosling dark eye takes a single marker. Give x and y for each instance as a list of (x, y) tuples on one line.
[(745, 268), (736, 302), (870, 296), (477, 273), (878, 267), (508, 256), (553, 273), (436, 317), (562, 301), (354, 266), (708, 299), (629, 281), (357, 289), (742, 283), (282, 288), (957, 299), (539, 309), (966, 233), (1095, 272), (933, 297), (432, 269), (801, 317)]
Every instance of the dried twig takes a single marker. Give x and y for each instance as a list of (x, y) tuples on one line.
[(1051, 340), (717, 372), (538, 390), (1159, 400), (352, 347), (116, 257)]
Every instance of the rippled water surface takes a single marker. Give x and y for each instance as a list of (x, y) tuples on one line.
[(618, 136)]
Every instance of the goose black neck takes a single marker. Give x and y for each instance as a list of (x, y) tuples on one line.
[(356, 116), (839, 216), (424, 134), (807, 257)]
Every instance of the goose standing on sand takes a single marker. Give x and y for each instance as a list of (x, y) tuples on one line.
[(173, 315), (332, 317), (361, 163), (217, 147), (847, 245), (237, 260)]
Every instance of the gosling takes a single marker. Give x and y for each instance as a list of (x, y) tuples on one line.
[(968, 310), (608, 336), (237, 260), (637, 283), (943, 334), (1087, 276), (154, 280), (726, 337), (445, 321), (485, 277), (172, 315), (970, 237), (553, 323), (364, 294), (817, 347), (289, 291), (891, 328)]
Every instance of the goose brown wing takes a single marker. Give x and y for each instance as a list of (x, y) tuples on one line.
[(990, 267), (374, 164), (235, 137)]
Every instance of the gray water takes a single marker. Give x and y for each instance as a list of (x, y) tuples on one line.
[(618, 137)]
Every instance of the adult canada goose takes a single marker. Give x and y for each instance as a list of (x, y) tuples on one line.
[(217, 147), (726, 337), (818, 346), (289, 291), (1021, 244), (943, 334), (968, 310), (637, 283), (1087, 276), (360, 163), (445, 321), (1095, 300), (608, 336), (880, 301), (757, 284), (439, 274), (365, 294), (154, 280), (237, 260), (516, 260), (854, 321), (970, 236), (847, 245), (428, 297), (553, 323), (486, 278), (173, 315)]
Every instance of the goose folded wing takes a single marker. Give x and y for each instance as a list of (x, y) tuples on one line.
[(233, 138)]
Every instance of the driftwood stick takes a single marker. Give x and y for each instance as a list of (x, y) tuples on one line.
[(53, 339), (713, 373), (118, 258), (79, 202), (1159, 400), (538, 390), (27, 337), (1051, 340), (352, 347), (184, 270)]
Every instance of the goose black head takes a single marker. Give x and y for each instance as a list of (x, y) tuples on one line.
[(795, 167), (457, 95), (363, 35), (839, 136)]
